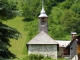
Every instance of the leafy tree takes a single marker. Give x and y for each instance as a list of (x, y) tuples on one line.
[(70, 22), (66, 4), (54, 27), (32, 10), (64, 18), (7, 10), (32, 28), (76, 8)]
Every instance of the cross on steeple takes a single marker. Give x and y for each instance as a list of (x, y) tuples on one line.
[(42, 4)]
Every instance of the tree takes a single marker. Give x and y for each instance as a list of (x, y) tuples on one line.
[(32, 8), (64, 18), (70, 21), (7, 10), (6, 32), (76, 8)]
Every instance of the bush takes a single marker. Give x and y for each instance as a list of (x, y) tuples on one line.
[(39, 57), (33, 57), (62, 59), (47, 58)]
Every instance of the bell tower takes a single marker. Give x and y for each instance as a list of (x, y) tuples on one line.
[(43, 20)]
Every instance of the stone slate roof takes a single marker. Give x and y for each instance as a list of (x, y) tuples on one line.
[(42, 38)]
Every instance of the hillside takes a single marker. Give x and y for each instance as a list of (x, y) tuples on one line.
[(64, 17), (18, 47)]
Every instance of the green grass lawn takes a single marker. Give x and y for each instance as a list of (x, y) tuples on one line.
[(18, 47)]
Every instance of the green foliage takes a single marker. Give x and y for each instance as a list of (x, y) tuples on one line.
[(55, 29), (18, 47), (7, 10), (6, 33), (46, 59), (34, 57), (39, 57), (1, 58), (68, 21), (66, 5), (64, 18), (31, 27), (32, 10), (61, 59), (75, 7)]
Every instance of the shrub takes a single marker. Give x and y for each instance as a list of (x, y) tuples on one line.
[(62, 59), (39, 57), (46, 58), (33, 57)]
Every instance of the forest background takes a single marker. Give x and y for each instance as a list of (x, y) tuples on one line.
[(19, 23)]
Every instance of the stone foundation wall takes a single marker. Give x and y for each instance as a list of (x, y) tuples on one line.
[(46, 50)]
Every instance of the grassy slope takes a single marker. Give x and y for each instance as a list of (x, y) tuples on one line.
[(18, 45)]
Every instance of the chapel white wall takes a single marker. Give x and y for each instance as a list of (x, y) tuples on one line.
[(46, 50)]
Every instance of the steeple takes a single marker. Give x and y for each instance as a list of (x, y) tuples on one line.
[(43, 20), (42, 13)]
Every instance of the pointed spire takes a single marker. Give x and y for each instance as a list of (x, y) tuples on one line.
[(42, 14), (42, 4), (43, 11)]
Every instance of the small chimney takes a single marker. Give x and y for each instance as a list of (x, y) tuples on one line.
[(73, 34)]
